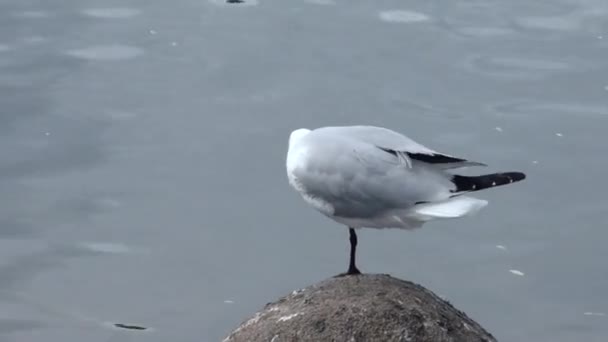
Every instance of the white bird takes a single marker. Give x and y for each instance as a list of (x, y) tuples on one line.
[(373, 177)]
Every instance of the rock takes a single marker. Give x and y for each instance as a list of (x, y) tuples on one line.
[(369, 307)]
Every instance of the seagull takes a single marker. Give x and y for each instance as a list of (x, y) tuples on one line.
[(373, 177)]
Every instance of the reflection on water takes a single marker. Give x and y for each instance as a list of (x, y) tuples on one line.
[(142, 171)]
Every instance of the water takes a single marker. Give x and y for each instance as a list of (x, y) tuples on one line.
[(142, 174)]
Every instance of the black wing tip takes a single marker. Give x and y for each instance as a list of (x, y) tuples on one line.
[(514, 176), (476, 183)]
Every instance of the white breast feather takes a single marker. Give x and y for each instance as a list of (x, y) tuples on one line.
[(296, 160)]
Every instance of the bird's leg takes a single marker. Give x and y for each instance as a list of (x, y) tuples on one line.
[(352, 268)]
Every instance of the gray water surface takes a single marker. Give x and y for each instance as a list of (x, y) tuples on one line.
[(142, 176)]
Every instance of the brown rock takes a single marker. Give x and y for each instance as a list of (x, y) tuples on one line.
[(369, 307)]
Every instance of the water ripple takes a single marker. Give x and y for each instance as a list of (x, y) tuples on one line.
[(514, 67), (224, 3), (528, 110), (402, 16), (321, 2), (106, 52), (112, 12)]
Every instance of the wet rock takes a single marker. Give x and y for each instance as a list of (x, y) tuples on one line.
[(367, 307)]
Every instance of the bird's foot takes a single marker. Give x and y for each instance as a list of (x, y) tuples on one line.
[(351, 271)]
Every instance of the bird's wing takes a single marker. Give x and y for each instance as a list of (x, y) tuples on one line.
[(357, 179), (402, 147)]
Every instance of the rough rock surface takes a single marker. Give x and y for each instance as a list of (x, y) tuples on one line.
[(367, 307)]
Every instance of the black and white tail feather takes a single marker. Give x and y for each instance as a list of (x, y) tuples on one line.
[(457, 205), (460, 205)]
